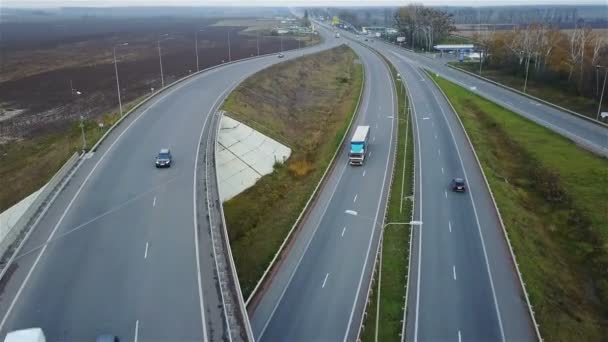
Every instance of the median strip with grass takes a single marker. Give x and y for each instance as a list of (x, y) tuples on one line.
[(383, 320), (552, 196), (306, 104)]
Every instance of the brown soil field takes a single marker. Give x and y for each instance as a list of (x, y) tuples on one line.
[(41, 64)]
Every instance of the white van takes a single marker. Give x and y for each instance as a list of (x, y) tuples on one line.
[(26, 335)]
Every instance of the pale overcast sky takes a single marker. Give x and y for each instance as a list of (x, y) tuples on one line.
[(279, 3)]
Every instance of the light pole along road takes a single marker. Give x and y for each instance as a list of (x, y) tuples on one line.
[(585, 133), (463, 284), (118, 250), (319, 290)]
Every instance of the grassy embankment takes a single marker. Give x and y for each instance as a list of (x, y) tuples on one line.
[(395, 243), (26, 165), (559, 93), (307, 105), (552, 197)]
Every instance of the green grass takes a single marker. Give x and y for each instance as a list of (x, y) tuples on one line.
[(553, 198), (395, 243), (307, 105), (26, 165), (559, 93), (456, 39)]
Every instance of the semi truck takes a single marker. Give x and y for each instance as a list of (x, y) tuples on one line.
[(358, 146)]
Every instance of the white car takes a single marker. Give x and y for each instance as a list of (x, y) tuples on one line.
[(281, 55)]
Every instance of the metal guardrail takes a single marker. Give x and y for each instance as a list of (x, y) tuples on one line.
[(550, 104), (30, 218), (378, 256), (310, 200), (56, 184)]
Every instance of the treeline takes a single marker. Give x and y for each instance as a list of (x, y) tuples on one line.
[(561, 16), (545, 53), (423, 26)]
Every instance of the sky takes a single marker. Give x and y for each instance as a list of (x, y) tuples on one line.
[(283, 3)]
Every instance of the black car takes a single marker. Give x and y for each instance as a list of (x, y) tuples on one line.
[(457, 184), (164, 158)]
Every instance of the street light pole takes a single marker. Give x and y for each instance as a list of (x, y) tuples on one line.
[(196, 48), (229, 54), (116, 73), (258, 42), (599, 105), (84, 140), (160, 61)]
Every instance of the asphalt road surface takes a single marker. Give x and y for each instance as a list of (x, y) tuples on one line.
[(463, 284), (585, 133), (320, 288), (117, 251)]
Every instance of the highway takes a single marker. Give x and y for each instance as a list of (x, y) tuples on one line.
[(122, 249), (585, 133), (463, 284), (320, 287)]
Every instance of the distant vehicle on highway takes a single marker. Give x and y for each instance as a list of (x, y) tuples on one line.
[(358, 146), (457, 184), (366, 39), (26, 335), (107, 338), (337, 35), (281, 55), (164, 158)]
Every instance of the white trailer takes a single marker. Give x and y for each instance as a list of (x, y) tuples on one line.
[(359, 146)]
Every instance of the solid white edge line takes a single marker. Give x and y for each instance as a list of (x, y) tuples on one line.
[(471, 197), (69, 206), (197, 248), (388, 159), (419, 230), (293, 273)]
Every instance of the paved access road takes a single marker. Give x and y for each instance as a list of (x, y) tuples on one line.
[(587, 134), (125, 256), (320, 288)]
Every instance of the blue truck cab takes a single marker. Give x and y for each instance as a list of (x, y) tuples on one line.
[(359, 146)]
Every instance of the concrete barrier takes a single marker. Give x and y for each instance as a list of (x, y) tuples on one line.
[(11, 232)]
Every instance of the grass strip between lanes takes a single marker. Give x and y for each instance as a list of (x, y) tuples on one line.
[(552, 197), (306, 104), (385, 324)]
